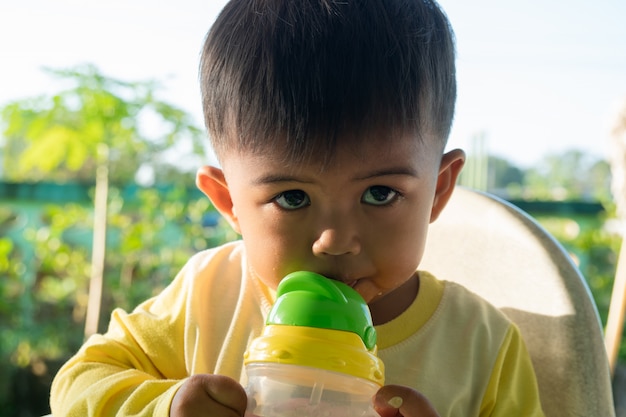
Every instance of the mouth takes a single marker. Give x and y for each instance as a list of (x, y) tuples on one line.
[(349, 282)]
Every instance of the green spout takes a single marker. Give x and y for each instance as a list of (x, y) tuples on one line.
[(312, 300)]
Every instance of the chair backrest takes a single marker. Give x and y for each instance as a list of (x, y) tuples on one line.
[(499, 252)]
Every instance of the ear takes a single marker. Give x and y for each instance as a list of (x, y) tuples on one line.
[(451, 164), (211, 181)]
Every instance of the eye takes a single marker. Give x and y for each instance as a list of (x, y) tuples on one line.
[(379, 195), (292, 199)]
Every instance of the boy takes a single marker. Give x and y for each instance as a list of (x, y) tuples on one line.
[(329, 119)]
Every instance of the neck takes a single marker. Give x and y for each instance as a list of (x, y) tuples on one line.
[(394, 303)]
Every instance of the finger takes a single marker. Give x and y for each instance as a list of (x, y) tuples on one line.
[(203, 394), (396, 401), (227, 392)]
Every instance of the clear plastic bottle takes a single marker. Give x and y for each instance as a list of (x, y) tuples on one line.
[(317, 354)]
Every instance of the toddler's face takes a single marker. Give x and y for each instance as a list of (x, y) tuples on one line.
[(361, 220)]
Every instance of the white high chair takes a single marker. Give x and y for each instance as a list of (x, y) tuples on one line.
[(497, 251)]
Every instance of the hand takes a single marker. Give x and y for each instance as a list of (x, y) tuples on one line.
[(399, 401), (209, 396)]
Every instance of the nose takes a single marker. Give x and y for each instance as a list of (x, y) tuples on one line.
[(342, 238)]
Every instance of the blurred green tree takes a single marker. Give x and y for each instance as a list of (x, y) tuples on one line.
[(572, 175), (97, 121), (503, 175), (96, 130), (43, 295), (99, 125)]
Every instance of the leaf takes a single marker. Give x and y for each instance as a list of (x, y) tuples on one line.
[(49, 150), (58, 135), (76, 156)]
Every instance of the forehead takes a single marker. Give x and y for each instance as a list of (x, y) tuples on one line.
[(377, 150)]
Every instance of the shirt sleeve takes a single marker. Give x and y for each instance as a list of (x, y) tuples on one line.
[(512, 388), (135, 368)]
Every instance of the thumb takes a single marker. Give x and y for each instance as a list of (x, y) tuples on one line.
[(226, 391)]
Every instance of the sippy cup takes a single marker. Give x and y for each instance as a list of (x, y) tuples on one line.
[(317, 354)]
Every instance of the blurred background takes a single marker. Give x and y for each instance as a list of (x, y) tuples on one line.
[(101, 133)]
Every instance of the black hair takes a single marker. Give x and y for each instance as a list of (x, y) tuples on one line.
[(296, 76)]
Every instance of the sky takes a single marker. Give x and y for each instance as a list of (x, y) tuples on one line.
[(536, 77)]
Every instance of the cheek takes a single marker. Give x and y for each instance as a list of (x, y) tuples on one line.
[(263, 256), (273, 248), (402, 245)]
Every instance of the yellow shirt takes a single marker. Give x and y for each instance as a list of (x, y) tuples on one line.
[(452, 346)]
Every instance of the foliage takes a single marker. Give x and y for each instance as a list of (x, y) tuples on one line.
[(42, 279), (573, 175), (44, 296), (98, 120), (594, 246), (151, 238), (502, 174)]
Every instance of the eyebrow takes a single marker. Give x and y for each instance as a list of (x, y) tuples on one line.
[(406, 171), (278, 178)]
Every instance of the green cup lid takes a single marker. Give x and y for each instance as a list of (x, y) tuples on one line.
[(312, 300)]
